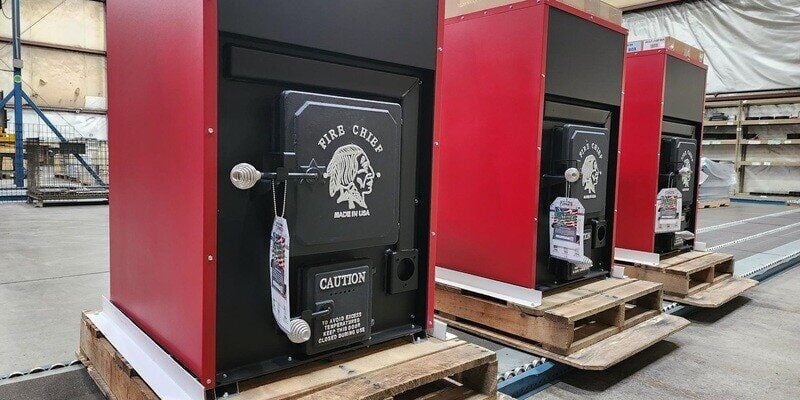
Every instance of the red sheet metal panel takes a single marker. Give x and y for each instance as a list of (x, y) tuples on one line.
[(487, 162), (638, 164), (162, 103)]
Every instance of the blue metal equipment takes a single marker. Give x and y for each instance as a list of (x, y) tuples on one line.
[(18, 94)]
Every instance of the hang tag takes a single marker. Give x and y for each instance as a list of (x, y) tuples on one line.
[(669, 206), (279, 272), (566, 231)]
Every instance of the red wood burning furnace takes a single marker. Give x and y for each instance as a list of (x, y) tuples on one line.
[(226, 113), (662, 123), (527, 123)]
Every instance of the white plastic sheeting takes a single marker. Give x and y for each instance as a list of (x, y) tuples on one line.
[(749, 44), (72, 125), (724, 152), (717, 179), (761, 179)]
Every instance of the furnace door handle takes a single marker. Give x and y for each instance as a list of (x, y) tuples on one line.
[(324, 308), (244, 176), (572, 175)]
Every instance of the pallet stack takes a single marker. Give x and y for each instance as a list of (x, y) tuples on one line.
[(696, 278), (715, 203), (590, 325), (430, 369)]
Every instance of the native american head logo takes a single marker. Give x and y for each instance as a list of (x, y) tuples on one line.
[(687, 176), (590, 174), (351, 176)]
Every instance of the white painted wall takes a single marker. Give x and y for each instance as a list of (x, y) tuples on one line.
[(55, 77), (78, 23)]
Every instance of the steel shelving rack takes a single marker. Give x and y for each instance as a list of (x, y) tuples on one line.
[(719, 132)]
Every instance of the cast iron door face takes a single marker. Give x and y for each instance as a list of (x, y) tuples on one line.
[(687, 154), (255, 79), (589, 145), (355, 146)]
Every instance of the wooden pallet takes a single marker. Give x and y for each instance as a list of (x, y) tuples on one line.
[(44, 198), (590, 325), (697, 278), (431, 369), (715, 203)]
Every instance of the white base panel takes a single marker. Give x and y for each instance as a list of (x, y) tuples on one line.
[(161, 372), (636, 257), (488, 287), (440, 332)]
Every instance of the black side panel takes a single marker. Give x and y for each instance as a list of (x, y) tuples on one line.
[(677, 129), (584, 60), (394, 31), (684, 91)]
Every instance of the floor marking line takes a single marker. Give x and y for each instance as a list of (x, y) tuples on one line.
[(744, 221), (756, 236)]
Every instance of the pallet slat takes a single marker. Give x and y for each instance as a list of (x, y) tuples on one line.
[(396, 379), (718, 294), (577, 292), (680, 258), (605, 300), (599, 356), (699, 263)]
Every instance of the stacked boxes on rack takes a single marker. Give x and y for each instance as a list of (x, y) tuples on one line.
[(759, 135)]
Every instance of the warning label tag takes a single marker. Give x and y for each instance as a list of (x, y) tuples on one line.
[(279, 272), (566, 230), (668, 210)]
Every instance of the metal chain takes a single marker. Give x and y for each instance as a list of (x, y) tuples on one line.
[(275, 202)]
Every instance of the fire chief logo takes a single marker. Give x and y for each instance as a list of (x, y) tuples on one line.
[(351, 177), (687, 178), (590, 174)]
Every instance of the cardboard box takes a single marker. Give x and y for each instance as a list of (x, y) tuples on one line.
[(598, 9), (667, 42), (455, 8)]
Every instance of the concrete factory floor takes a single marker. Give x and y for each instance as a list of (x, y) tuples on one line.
[(55, 264), (746, 349)]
